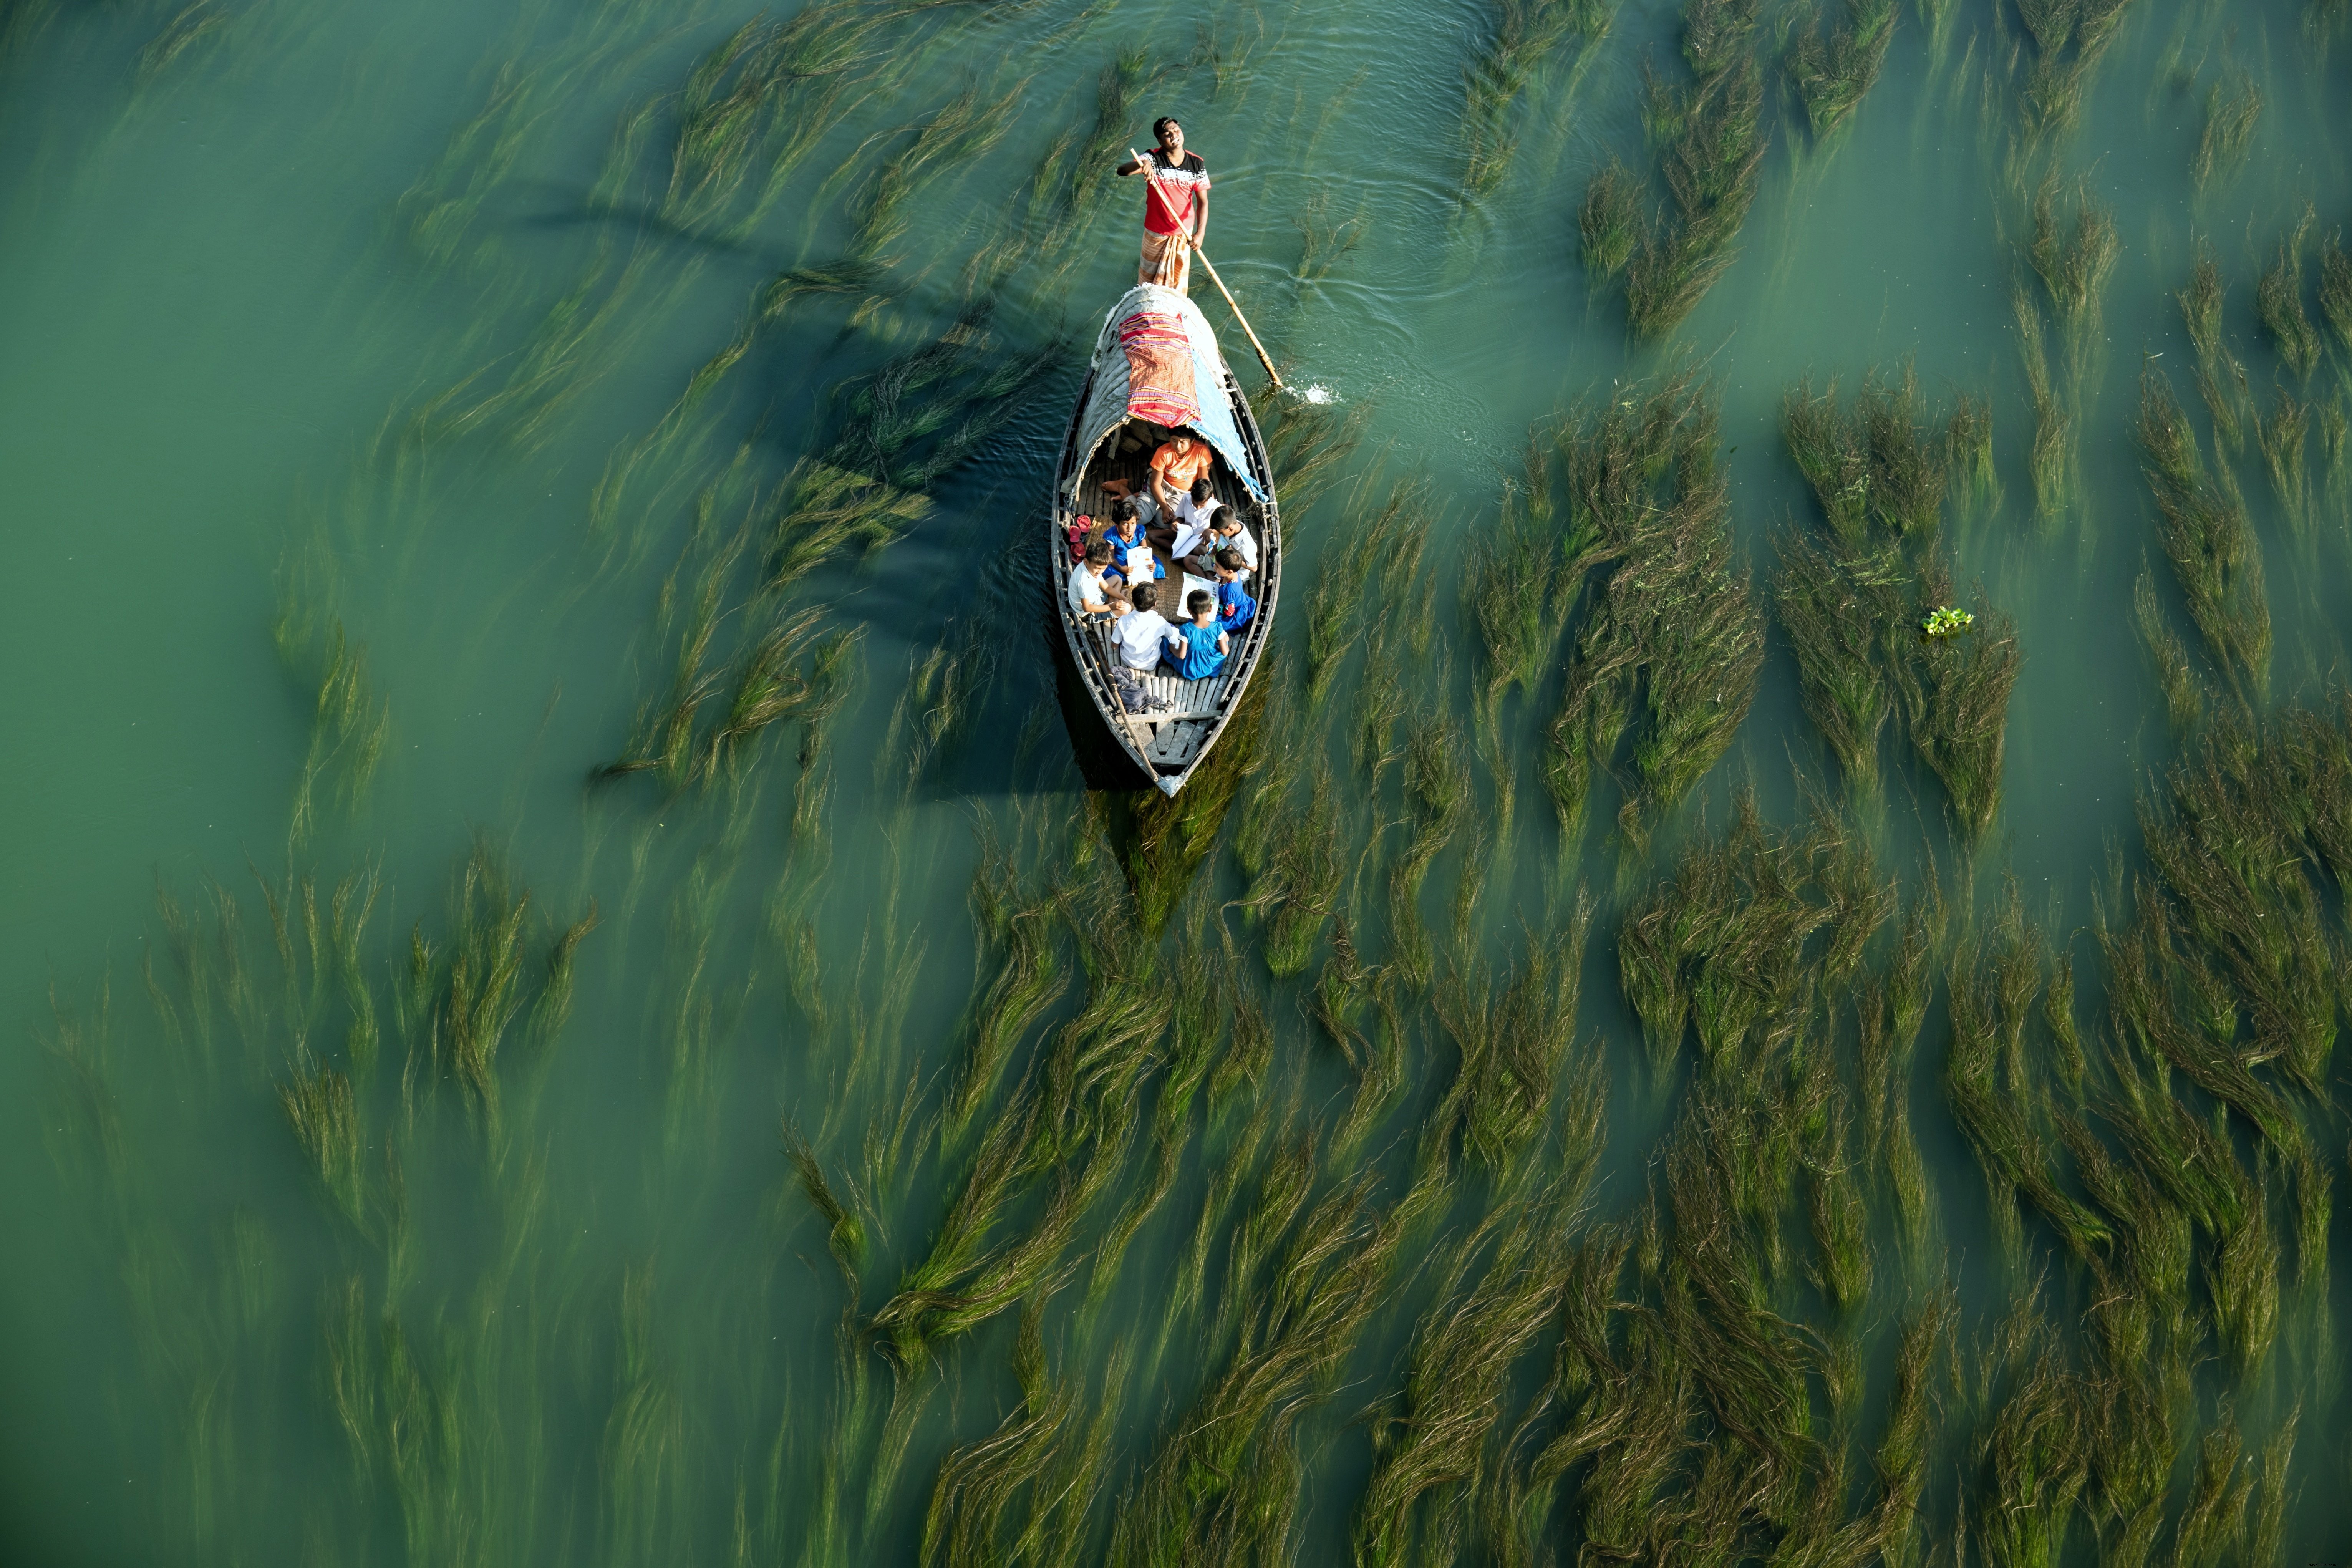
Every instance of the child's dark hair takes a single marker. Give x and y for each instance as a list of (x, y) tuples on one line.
[(1201, 488), (1145, 597), (1121, 509), (1226, 556), (1197, 603), (1098, 553)]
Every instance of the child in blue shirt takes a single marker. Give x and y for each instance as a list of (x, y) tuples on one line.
[(1196, 648), (1134, 562), (1234, 606)]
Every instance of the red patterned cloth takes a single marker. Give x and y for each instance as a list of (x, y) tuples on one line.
[(1160, 386)]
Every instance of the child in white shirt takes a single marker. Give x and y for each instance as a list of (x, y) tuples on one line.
[(1142, 631), (1195, 515), (1227, 532), (1089, 595)]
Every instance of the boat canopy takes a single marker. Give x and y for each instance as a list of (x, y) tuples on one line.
[(1156, 359)]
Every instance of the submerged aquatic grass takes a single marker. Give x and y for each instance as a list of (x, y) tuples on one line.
[(1526, 33), (2278, 302), (1608, 222), (1712, 168), (1727, 1365), (2205, 533), (1667, 651), (2233, 105), (1834, 64)]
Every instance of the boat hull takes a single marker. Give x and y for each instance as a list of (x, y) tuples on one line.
[(1166, 745)]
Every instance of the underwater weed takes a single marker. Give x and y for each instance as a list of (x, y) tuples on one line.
[(964, 128), (2220, 845), (1671, 641), (2033, 1462), (2278, 300), (2232, 107), (2184, 698), (979, 1482), (2200, 303), (2267, 1539), (771, 687), (186, 29), (1717, 33), (1996, 1096), (1969, 457), (1228, 1470), (1017, 930), (2208, 539), (1907, 465), (1324, 243), (349, 722), (2281, 436), (1526, 31), (2050, 459), (2220, 378), (1709, 948), (1904, 1445), (1834, 614), (2073, 268), (845, 1232), (1432, 1455), (1173, 838), (551, 1008), (1335, 611), (1298, 889), (1306, 443), (1712, 168), (1955, 693), (480, 982), (1839, 1217), (2214, 1517), (1609, 221), (2336, 291), (1834, 74), (1830, 452), (1437, 787), (324, 1114), (1515, 1045), (1519, 579)]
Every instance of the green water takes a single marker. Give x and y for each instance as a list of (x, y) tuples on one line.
[(381, 327)]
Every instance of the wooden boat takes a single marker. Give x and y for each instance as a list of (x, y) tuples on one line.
[(1156, 371)]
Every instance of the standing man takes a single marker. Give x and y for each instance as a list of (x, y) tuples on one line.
[(1180, 179)]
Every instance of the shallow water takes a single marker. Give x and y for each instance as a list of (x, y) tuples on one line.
[(382, 319)]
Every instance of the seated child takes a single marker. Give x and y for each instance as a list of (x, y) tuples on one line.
[(1234, 606), (1197, 648), (1226, 531), (1146, 509), (1090, 596), (1133, 560), (1194, 514), (1180, 461), (1141, 633)]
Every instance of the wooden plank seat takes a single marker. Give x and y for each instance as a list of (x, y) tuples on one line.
[(1186, 698)]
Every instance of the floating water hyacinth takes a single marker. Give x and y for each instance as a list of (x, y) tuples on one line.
[(1945, 622)]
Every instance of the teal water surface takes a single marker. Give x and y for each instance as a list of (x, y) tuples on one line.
[(572, 999)]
